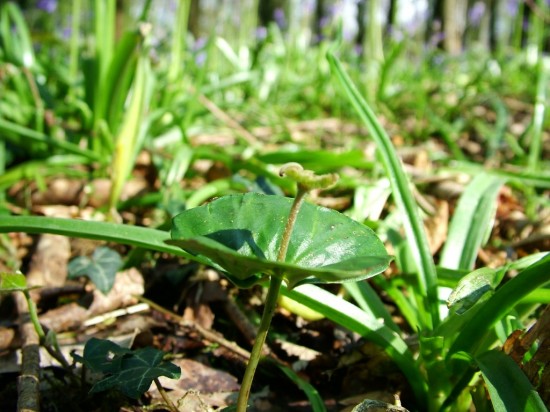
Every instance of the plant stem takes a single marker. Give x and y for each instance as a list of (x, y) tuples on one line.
[(53, 351), (270, 304), (164, 395), (269, 310), (285, 240)]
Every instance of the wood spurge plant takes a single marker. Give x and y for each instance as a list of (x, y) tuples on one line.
[(252, 236)]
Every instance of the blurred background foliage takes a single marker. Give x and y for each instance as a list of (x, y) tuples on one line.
[(93, 83)]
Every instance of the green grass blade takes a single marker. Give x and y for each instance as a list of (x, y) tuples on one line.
[(471, 222), (427, 276), (20, 135), (508, 386), (498, 305), (54, 165), (351, 317), (538, 179), (125, 234), (535, 148), (15, 38), (315, 400), (368, 300)]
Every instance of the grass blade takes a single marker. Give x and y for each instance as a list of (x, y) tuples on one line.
[(317, 403), (18, 134), (427, 276), (112, 232), (368, 300), (351, 317), (471, 222), (508, 386)]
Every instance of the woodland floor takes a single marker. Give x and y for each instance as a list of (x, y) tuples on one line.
[(196, 314)]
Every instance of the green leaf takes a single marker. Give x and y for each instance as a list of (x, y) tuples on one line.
[(501, 303), (241, 234), (101, 268), (508, 386), (315, 399), (131, 372), (12, 282), (351, 317), (111, 232), (474, 287), (99, 354), (471, 222), (402, 194)]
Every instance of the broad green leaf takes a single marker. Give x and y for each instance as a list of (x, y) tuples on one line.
[(131, 372), (508, 386), (241, 234), (473, 288), (471, 222), (12, 282), (101, 268)]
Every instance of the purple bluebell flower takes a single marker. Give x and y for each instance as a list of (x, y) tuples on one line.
[(49, 6), (200, 59), (279, 17), (476, 13), (512, 7), (261, 33), (199, 43)]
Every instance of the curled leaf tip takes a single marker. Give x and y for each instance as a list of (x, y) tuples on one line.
[(291, 167), (307, 178)]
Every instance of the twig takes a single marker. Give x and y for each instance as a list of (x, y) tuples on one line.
[(228, 120), (206, 333), (27, 387)]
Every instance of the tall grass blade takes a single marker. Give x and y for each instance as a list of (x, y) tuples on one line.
[(131, 135), (508, 386), (427, 276), (152, 239), (471, 222)]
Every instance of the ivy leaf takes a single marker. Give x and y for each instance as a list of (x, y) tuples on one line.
[(101, 268), (241, 234), (131, 372)]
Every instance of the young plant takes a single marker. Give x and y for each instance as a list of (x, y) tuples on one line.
[(16, 282), (131, 372), (251, 237)]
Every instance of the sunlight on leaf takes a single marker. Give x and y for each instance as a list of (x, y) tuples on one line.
[(241, 235)]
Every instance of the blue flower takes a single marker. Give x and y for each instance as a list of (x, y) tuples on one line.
[(49, 6), (476, 13)]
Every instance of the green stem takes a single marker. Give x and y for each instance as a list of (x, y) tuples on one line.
[(269, 310), (285, 240), (270, 304), (34, 316), (55, 352)]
